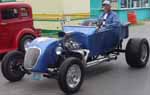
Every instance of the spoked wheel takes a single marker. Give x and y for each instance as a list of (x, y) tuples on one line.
[(137, 52), (71, 75), (12, 66)]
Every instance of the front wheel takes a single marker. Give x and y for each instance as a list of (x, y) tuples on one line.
[(137, 52), (71, 75), (12, 66)]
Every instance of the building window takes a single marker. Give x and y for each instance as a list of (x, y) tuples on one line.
[(145, 3), (114, 4), (9, 13), (124, 4), (24, 12), (134, 3)]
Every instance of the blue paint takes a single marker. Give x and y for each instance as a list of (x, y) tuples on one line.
[(98, 43), (88, 37), (47, 56)]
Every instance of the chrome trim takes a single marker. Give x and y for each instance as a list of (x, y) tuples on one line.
[(37, 58), (84, 52), (100, 60)]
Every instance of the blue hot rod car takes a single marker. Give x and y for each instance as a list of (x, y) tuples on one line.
[(77, 48)]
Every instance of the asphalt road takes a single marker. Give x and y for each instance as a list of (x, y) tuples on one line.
[(112, 78)]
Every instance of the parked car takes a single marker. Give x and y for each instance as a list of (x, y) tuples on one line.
[(16, 26), (78, 48)]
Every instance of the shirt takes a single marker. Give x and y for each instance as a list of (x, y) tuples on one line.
[(111, 21), (104, 19)]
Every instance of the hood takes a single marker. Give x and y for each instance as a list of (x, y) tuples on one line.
[(42, 42), (46, 55)]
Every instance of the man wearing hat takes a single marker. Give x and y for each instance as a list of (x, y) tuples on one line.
[(108, 19)]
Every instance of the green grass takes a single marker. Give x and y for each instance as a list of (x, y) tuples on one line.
[(49, 35)]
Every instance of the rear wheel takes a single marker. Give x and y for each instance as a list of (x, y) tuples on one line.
[(25, 41), (137, 52), (12, 64), (71, 75)]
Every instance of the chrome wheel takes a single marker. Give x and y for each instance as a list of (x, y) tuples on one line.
[(73, 76), (144, 53)]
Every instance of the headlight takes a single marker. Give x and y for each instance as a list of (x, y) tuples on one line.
[(59, 50)]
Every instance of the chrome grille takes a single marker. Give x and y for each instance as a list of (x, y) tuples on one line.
[(31, 57)]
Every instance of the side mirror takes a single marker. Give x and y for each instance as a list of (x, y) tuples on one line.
[(61, 34)]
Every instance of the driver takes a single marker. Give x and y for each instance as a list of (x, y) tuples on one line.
[(108, 19)]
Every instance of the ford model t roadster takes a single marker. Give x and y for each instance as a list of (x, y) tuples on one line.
[(77, 48)]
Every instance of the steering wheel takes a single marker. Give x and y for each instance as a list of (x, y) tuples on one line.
[(98, 24)]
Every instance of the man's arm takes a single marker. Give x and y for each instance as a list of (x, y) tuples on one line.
[(89, 22), (97, 21)]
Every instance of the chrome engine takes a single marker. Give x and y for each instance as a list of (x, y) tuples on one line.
[(71, 44)]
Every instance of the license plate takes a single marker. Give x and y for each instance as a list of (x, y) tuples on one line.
[(37, 76)]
